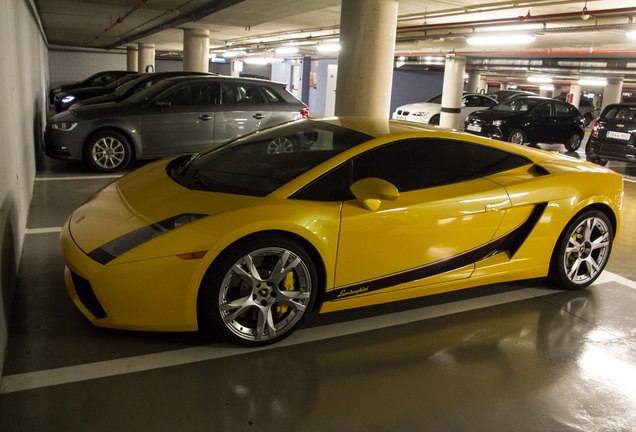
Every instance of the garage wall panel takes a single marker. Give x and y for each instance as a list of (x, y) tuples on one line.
[(24, 74), (411, 86), (72, 66)]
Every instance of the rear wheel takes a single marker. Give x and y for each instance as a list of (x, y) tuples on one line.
[(588, 119), (582, 250), (434, 120), (107, 151), (257, 292), (573, 143), (517, 137)]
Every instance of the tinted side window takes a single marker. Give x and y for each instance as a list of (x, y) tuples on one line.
[(332, 186), (271, 95), (415, 164), (562, 110), (543, 110), (486, 102), (488, 160), (240, 93), (196, 94)]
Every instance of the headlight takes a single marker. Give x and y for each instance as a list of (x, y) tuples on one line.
[(497, 122), (123, 244), (56, 90), (67, 99), (64, 126), (419, 114)]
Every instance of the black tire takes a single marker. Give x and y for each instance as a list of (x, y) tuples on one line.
[(574, 142), (434, 120), (588, 119), (517, 136), (248, 308), (107, 151), (595, 159), (582, 251)]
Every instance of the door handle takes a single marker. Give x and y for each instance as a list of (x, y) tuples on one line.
[(205, 117), (258, 116), (491, 207)]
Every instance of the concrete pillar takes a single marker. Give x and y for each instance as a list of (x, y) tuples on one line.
[(132, 58), (575, 91), (146, 57), (452, 91), (365, 62), (597, 99), (196, 50), (473, 82), (613, 91), (544, 92), (233, 71), (503, 85), (483, 84)]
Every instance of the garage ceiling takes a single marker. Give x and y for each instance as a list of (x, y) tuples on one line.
[(592, 33)]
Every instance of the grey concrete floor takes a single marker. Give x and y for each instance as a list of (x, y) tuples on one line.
[(507, 357)]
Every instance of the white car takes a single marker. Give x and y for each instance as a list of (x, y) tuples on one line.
[(428, 112)]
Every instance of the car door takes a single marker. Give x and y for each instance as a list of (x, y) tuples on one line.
[(242, 110), (434, 231), (564, 122), (541, 123), (180, 120)]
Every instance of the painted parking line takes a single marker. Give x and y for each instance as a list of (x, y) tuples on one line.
[(71, 374), (43, 230), (95, 177)]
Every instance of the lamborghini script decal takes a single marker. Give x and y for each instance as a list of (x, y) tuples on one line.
[(512, 240)]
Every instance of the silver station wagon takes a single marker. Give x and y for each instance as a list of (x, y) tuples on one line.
[(173, 117)]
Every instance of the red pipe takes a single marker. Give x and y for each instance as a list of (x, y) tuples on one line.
[(521, 19)]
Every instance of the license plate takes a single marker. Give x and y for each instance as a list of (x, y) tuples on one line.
[(401, 117), (618, 135), (473, 128)]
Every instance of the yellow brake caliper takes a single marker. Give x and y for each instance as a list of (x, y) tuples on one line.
[(288, 283)]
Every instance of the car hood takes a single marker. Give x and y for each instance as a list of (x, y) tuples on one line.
[(139, 199), (111, 109), (422, 107), (86, 92)]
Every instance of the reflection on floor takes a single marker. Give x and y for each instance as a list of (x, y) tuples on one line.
[(520, 356)]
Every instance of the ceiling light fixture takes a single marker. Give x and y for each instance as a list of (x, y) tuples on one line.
[(539, 79), (593, 82), (328, 48), (229, 54), (501, 40), (286, 50), (546, 87), (631, 34)]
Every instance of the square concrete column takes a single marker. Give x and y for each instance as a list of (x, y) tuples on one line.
[(365, 62), (196, 50)]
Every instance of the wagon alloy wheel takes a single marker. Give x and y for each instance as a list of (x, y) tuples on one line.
[(107, 151), (573, 143), (280, 145), (583, 250), (517, 137), (260, 293)]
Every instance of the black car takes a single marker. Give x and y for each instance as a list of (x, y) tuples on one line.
[(98, 79), (129, 88), (613, 135), (502, 95), (530, 119), (63, 100)]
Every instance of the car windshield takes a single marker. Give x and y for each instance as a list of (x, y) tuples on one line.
[(516, 105), (261, 162), (120, 81), (435, 99), (123, 89), (621, 113), (149, 93)]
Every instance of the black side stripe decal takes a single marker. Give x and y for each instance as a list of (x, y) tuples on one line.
[(511, 241)]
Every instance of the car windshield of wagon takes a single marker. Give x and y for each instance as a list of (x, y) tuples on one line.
[(260, 163), (516, 105)]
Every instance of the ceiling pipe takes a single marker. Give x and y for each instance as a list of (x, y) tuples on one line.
[(119, 20)]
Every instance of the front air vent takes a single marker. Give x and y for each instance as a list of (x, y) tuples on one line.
[(87, 296)]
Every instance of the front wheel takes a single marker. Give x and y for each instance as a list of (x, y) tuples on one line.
[(257, 292), (573, 143), (434, 120), (517, 137), (107, 151), (582, 251)]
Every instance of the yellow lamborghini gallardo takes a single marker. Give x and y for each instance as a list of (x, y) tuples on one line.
[(249, 236)]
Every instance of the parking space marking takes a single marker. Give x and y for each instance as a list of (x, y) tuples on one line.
[(95, 177), (71, 374), (43, 230)]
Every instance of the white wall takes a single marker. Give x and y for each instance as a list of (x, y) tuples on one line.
[(71, 66), (24, 72)]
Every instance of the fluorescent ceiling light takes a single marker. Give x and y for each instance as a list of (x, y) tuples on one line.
[(501, 40), (328, 48), (256, 61), (538, 79), (593, 82), (546, 87), (286, 50), (631, 34), (229, 54)]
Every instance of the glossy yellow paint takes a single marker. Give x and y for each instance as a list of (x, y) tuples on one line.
[(150, 288)]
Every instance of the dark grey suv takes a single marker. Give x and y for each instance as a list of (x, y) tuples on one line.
[(175, 116)]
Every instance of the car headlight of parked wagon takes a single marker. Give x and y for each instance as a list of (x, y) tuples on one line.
[(64, 126)]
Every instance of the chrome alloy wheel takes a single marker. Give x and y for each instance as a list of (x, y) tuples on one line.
[(517, 138), (108, 152), (587, 250), (280, 145), (264, 294)]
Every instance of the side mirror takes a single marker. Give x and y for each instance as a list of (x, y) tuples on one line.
[(371, 191)]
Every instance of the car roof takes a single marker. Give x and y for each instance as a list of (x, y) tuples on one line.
[(223, 77)]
